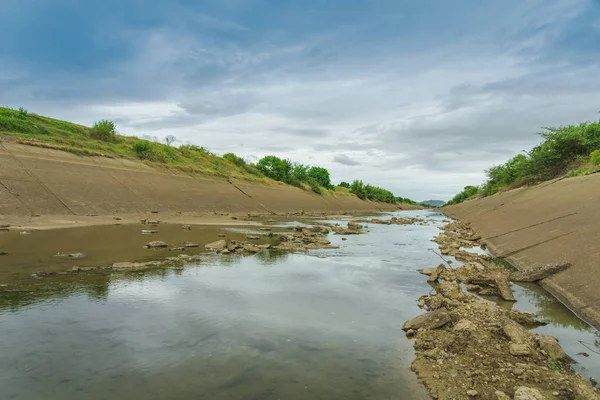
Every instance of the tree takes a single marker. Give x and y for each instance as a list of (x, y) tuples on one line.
[(320, 175), (344, 184), (169, 139), (275, 168)]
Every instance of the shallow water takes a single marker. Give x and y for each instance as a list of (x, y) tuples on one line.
[(325, 325)]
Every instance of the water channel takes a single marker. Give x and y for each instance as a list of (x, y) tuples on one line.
[(322, 325)]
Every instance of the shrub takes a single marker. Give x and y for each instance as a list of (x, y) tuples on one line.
[(23, 113), (191, 150), (345, 185), (468, 192), (314, 186), (143, 149), (595, 157), (236, 160), (104, 130)]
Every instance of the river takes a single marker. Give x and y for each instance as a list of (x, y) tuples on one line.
[(322, 325)]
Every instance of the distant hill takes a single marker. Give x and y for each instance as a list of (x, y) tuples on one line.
[(433, 203)]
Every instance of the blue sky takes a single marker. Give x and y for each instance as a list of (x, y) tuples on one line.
[(416, 96)]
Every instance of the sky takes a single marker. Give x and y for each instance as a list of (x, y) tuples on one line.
[(417, 96)]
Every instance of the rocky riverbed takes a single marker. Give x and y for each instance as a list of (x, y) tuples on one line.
[(467, 348)]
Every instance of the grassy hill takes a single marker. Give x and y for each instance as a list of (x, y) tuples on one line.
[(34, 129), (102, 140)]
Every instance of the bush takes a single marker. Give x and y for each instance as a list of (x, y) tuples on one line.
[(345, 185), (23, 113), (468, 192), (143, 149), (104, 130), (314, 186), (595, 157), (239, 161), (193, 151)]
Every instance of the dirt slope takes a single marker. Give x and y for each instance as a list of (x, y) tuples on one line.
[(557, 220), (49, 182)]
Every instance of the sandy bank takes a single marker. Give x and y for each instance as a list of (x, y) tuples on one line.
[(555, 221), (38, 181)]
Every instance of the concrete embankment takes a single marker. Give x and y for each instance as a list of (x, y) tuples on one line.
[(554, 221), (42, 181)]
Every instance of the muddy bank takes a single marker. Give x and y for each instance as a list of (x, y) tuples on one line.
[(46, 182), (544, 224), (467, 348)]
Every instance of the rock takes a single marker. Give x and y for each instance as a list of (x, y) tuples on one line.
[(3, 253), (526, 393), (219, 245), (253, 215), (473, 288), (177, 249), (117, 218), (344, 238), (122, 266), (148, 231), (519, 349), (354, 225), (76, 256), (489, 292), (514, 331), (190, 244), (265, 229), (431, 320), (186, 227), (584, 390), (221, 235), (465, 325), (526, 320), (81, 269), (252, 237), (553, 349), (472, 393), (451, 291), (583, 354), (436, 274), (4, 226), (496, 277), (501, 395), (152, 222), (593, 381), (538, 273), (155, 244), (24, 233)]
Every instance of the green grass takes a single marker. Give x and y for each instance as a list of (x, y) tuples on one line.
[(103, 140), (41, 131)]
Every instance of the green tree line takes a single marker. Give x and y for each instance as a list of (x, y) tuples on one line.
[(572, 149)]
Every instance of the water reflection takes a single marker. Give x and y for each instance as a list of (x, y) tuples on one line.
[(272, 326)]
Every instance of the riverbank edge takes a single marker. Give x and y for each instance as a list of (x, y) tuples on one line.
[(542, 224), (566, 297), (556, 291), (452, 307)]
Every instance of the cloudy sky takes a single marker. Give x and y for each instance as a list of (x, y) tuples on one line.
[(415, 96)]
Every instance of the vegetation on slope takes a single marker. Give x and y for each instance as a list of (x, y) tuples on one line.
[(567, 150), (102, 139)]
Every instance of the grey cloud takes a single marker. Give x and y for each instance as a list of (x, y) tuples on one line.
[(345, 160)]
